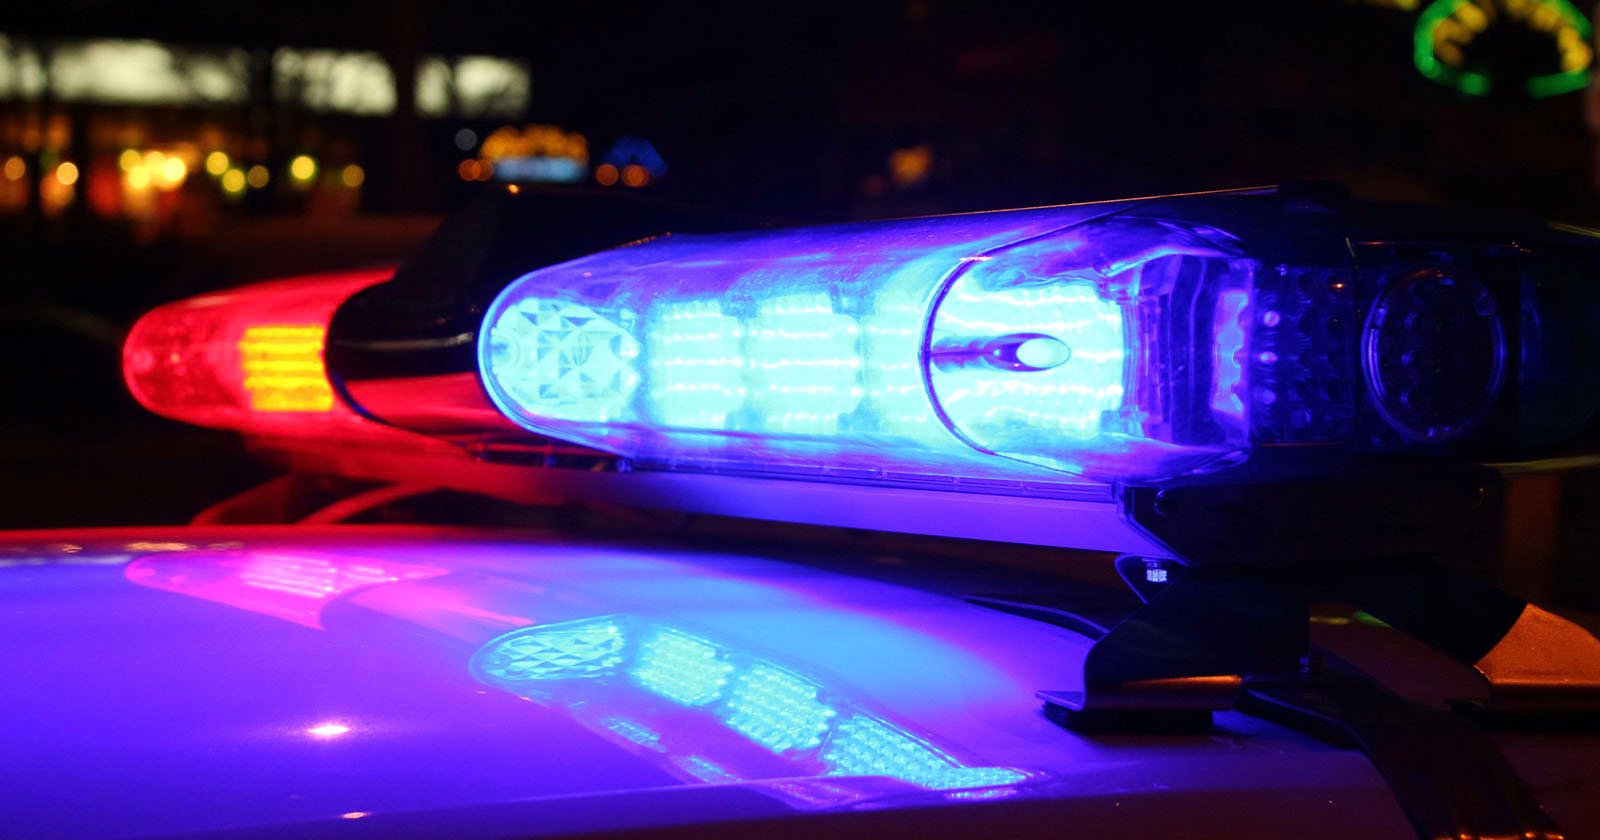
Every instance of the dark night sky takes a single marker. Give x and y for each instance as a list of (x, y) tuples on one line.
[(788, 105)]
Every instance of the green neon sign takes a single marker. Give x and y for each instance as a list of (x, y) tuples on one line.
[(1447, 27)]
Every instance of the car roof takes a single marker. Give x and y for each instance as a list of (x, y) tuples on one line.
[(294, 681)]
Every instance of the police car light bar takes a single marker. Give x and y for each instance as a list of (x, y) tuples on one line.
[(1041, 363), (1128, 341)]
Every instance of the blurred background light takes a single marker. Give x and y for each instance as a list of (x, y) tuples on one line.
[(233, 182), (173, 173), (303, 169), (217, 163), (123, 71)]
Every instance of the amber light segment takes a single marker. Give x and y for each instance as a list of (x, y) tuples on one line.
[(248, 358), (282, 368)]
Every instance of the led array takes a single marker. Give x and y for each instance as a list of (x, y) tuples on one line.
[(282, 368), (795, 367), (895, 389), (697, 365), (804, 363), (1030, 409), (799, 366)]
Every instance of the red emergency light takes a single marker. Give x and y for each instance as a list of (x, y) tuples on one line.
[(248, 359)]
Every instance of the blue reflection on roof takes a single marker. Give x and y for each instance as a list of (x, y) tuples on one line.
[(701, 706)]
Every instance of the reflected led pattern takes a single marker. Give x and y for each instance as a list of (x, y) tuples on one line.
[(313, 577), (569, 650), (248, 359), (292, 586), (714, 712), (864, 746), (1077, 339), (680, 667), (777, 710)]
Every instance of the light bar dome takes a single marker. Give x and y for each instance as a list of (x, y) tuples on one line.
[(1082, 339)]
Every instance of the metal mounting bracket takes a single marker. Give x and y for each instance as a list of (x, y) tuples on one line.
[(1256, 557)]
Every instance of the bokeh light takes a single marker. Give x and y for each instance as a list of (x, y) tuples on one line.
[(233, 182), (303, 168), (217, 163), (258, 176), (173, 172), (353, 176), (67, 173)]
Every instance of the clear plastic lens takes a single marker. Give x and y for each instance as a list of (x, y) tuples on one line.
[(1009, 344), (1110, 349), (573, 362), (985, 335)]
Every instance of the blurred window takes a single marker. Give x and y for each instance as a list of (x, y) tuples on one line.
[(134, 72)]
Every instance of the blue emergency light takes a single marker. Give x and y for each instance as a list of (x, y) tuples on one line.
[(1129, 341)]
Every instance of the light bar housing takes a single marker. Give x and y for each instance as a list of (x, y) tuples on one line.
[(248, 359), (1144, 340)]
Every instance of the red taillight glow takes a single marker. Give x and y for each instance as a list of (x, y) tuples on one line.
[(247, 359)]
